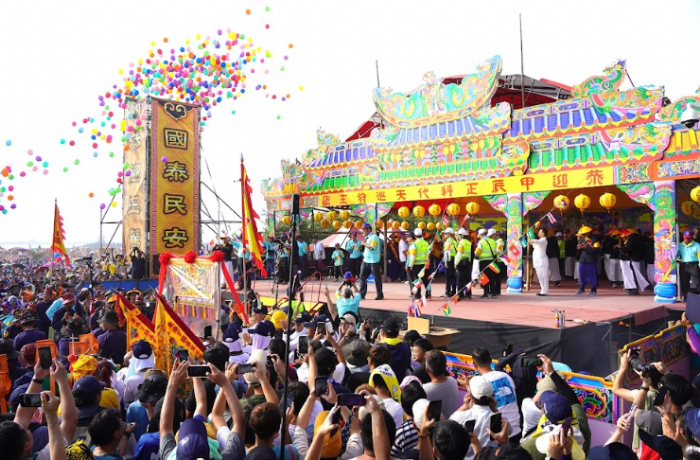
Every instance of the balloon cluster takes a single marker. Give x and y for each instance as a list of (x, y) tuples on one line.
[(208, 71)]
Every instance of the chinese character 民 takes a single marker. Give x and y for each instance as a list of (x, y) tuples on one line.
[(175, 238), (499, 185), (361, 198), (527, 182), (446, 190), (400, 195), (560, 180), (594, 177), (174, 203), (175, 138), (423, 191), (175, 171), (381, 196)]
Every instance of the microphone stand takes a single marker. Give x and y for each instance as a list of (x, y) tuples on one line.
[(290, 318)]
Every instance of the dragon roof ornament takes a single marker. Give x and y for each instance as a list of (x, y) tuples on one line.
[(672, 112), (325, 141), (435, 102), (611, 80)]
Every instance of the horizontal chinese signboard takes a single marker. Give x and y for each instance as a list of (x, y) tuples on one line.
[(580, 178), (174, 177)]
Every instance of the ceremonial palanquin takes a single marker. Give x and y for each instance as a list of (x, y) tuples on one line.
[(451, 141)]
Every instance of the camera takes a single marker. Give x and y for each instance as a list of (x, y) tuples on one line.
[(638, 365)]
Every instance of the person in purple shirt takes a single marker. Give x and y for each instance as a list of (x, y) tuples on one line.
[(112, 341), (26, 319), (71, 332)]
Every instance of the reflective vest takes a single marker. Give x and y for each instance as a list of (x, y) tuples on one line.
[(562, 251), (422, 251), (464, 250), (487, 246), (450, 249)]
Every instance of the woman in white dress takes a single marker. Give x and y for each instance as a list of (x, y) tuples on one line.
[(540, 261)]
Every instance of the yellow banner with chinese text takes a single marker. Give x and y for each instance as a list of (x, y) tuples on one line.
[(559, 180), (174, 177), (135, 209)]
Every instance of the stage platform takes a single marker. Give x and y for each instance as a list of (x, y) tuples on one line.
[(612, 319)]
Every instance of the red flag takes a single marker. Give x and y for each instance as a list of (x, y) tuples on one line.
[(57, 245), (251, 239), (483, 279)]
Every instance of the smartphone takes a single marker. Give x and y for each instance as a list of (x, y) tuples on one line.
[(351, 399), (496, 423), (303, 345), (321, 385), (198, 371), (469, 425), (633, 408), (531, 362), (45, 358), (659, 400), (565, 426), (435, 410), (30, 400), (207, 331), (183, 355), (245, 369)]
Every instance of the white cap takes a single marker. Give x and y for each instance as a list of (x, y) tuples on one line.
[(462, 231), (482, 231), (419, 411), (418, 232), (258, 357), (448, 230), (492, 231), (480, 387), (558, 234), (362, 412)]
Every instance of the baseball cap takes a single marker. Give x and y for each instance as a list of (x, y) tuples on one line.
[(349, 318), (448, 230), (260, 309), (482, 231), (687, 234), (492, 231), (556, 407), (692, 419), (507, 451), (303, 317), (142, 350), (68, 297), (88, 384), (264, 328), (418, 232), (390, 327), (366, 225), (192, 440), (666, 447), (419, 411), (612, 451), (316, 321), (152, 389), (331, 444), (348, 276), (480, 387), (462, 231), (231, 334)]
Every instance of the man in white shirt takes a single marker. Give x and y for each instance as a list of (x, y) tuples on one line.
[(503, 390), (318, 254), (403, 253), (477, 407)]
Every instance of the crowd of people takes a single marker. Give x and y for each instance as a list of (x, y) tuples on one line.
[(353, 391)]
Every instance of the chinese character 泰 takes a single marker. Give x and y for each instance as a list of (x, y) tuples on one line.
[(560, 180), (594, 177), (174, 203), (446, 190), (175, 237), (175, 171), (175, 138)]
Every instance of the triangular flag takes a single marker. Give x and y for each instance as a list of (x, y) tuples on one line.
[(483, 279), (252, 240), (494, 267), (57, 245), (447, 310), (455, 298)]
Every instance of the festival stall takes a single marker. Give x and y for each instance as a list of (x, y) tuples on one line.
[(596, 154)]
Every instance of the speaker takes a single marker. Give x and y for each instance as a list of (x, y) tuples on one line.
[(295, 205), (692, 308)]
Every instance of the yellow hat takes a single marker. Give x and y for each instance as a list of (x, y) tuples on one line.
[(277, 317), (109, 398), (83, 365), (583, 231), (331, 445)]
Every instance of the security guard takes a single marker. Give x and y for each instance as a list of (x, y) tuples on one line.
[(449, 251), (418, 262), (487, 252), (463, 261)]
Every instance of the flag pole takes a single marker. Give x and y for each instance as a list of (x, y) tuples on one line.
[(53, 239), (243, 238)]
